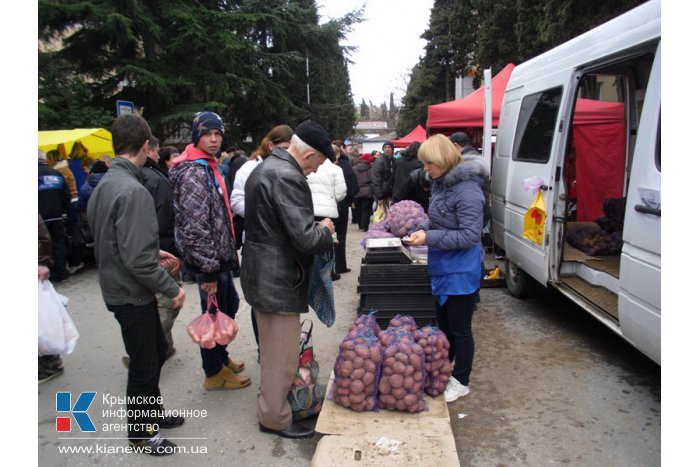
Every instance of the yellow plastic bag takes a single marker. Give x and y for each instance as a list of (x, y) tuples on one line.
[(533, 226), (379, 215)]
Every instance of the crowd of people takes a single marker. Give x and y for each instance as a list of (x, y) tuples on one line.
[(209, 215)]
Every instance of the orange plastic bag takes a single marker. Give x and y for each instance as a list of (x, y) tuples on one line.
[(535, 217)]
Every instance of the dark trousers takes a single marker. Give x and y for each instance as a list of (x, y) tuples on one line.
[(341, 228), (75, 236), (57, 230), (455, 320), (364, 207), (227, 297), (144, 342)]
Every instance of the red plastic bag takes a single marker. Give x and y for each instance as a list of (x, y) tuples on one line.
[(209, 329)]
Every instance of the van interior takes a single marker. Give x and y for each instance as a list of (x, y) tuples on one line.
[(595, 176)]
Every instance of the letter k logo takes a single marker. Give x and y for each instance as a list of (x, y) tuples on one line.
[(79, 411)]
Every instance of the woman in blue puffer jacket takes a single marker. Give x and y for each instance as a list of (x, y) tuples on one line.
[(453, 236)]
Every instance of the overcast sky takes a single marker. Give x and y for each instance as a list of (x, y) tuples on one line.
[(388, 44)]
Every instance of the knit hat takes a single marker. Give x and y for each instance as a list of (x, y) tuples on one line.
[(315, 136), (388, 143), (367, 158), (203, 122)]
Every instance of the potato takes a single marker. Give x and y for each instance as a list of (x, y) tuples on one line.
[(384, 385), (418, 376), (389, 362), (356, 387), (362, 351), (402, 357), (387, 371), (399, 367), (370, 366), (346, 345), (411, 400), (368, 379), (357, 398), (358, 362), (343, 400), (400, 405), (369, 390), (388, 400), (342, 391), (348, 355), (408, 382), (375, 354), (396, 381), (399, 393), (359, 407), (345, 369), (415, 361), (343, 382), (409, 370)]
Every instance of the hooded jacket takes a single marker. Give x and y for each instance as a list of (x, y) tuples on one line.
[(203, 228), (281, 236), (328, 188), (455, 227), (87, 189)]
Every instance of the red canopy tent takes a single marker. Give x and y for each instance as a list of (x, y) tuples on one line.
[(417, 134), (468, 112)]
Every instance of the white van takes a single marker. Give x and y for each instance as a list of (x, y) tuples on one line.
[(585, 117)]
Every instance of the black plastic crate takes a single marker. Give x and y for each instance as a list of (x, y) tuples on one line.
[(397, 303), (373, 288), (394, 274)]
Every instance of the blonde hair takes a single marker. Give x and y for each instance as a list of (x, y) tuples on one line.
[(439, 151)]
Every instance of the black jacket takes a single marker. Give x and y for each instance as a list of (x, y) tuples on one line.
[(363, 171), (54, 194), (402, 167), (281, 236), (350, 182), (158, 185), (415, 188), (381, 177)]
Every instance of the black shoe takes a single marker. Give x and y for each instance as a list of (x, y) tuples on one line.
[(335, 276), (364, 230), (156, 446), (295, 431), (170, 421), (346, 270), (46, 374)]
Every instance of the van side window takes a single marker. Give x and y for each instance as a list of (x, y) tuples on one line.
[(536, 126)]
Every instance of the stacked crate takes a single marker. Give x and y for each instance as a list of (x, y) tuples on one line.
[(391, 289)]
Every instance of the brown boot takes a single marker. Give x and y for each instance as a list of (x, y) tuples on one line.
[(235, 365), (225, 379)]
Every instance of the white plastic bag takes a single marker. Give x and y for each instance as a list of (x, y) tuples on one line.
[(533, 184), (57, 333)]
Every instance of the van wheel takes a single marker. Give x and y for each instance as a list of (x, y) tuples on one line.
[(519, 283)]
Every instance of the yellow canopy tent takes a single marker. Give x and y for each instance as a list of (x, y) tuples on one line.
[(98, 141)]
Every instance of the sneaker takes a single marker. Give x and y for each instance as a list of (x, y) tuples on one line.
[(169, 421), (455, 390), (156, 446), (74, 269)]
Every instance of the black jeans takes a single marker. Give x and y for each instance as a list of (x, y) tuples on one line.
[(455, 320), (145, 344), (364, 207), (228, 300)]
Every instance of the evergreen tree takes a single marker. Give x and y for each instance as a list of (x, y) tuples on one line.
[(364, 109)]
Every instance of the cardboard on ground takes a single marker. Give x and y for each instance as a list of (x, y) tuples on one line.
[(425, 438)]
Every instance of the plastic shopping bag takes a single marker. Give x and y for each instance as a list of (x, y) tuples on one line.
[(305, 396), (533, 225), (210, 329), (379, 214), (57, 332)]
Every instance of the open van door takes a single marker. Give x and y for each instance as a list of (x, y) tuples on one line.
[(640, 262), (530, 152)]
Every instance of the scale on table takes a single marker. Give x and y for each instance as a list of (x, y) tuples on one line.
[(385, 251)]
